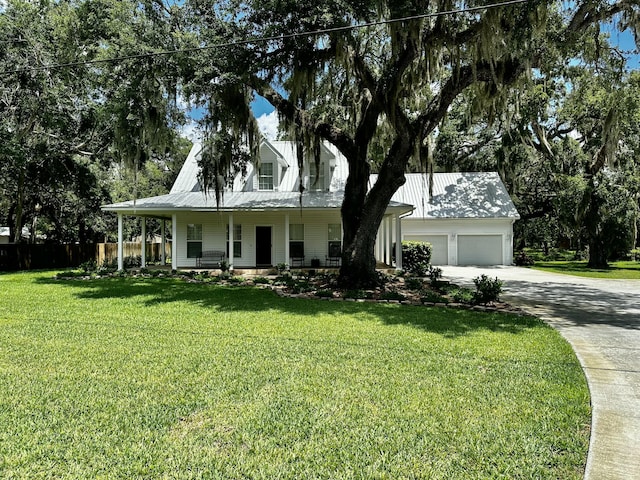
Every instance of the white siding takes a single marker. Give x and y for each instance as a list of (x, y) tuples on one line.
[(214, 227)]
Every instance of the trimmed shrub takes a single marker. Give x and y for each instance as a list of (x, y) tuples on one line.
[(433, 297), (462, 295), (487, 289), (413, 283), (416, 257)]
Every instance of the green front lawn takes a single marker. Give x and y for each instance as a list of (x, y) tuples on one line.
[(159, 378), (620, 270)]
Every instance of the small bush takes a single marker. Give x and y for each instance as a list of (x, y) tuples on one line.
[(301, 286), (132, 261), (261, 281), (462, 295), (487, 289), (88, 266), (326, 293), (416, 257), (413, 283), (435, 276), (282, 267), (392, 295), (433, 297), (357, 294), (523, 260)]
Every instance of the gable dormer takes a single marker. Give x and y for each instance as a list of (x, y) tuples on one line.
[(269, 174), (318, 176)]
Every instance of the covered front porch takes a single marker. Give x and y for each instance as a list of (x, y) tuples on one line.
[(251, 241)]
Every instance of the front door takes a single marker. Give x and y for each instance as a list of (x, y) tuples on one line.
[(263, 246)]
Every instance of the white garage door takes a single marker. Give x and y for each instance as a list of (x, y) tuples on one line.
[(479, 249), (439, 247)]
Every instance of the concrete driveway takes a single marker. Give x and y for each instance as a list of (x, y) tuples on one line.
[(601, 320)]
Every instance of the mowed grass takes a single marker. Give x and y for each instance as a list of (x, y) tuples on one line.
[(158, 378), (626, 270)]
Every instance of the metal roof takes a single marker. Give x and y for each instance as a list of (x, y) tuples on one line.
[(237, 201), (457, 195), (187, 180)]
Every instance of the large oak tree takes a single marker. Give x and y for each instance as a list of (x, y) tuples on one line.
[(384, 87)]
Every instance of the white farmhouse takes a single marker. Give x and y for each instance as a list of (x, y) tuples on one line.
[(263, 220)]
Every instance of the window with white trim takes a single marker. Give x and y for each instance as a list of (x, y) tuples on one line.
[(296, 240), (194, 240), (237, 241), (316, 172), (334, 247), (265, 176)]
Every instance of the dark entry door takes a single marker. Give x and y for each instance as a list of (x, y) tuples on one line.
[(263, 246)]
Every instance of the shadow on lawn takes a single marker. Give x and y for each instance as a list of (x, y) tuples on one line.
[(448, 322)]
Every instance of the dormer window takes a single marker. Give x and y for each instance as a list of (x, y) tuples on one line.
[(265, 181), (316, 172)]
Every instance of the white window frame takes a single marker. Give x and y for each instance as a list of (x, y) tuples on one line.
[(194, 236), (237, 240), (266, 181)]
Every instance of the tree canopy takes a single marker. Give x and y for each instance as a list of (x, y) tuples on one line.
[(380, 91), (396, 86)]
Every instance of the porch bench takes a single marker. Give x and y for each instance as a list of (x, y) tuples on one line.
[(332, 261), (211, 258), (297, 262)]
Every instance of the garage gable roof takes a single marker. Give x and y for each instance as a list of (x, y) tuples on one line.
[(457, 195)]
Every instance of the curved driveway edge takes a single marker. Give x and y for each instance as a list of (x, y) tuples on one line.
[(601, 320)]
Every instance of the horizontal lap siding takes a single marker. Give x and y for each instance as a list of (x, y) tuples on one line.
[(214, 232), (214, 227)]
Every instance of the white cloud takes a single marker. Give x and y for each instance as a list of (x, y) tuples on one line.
[(192, 131), (268, 125)]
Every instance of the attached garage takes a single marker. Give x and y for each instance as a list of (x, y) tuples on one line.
[(468, 218), (439, 247), (480, 250)]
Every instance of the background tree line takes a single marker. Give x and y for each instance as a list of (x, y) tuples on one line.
[(92, 106)]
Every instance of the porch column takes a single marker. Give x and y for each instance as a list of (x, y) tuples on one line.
[(163, 254), (398, 243), (383, 240), (174, 242), (120, 246), (143, 244), (230, 242), (287, 253), (388, 240)]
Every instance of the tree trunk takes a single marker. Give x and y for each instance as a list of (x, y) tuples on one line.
[(362, 214), (598, 252), (17, 234)]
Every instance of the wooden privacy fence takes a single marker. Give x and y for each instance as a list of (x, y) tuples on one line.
[(41, 256), (108, 252)]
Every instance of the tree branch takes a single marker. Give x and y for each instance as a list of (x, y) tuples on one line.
[(300, 117)]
